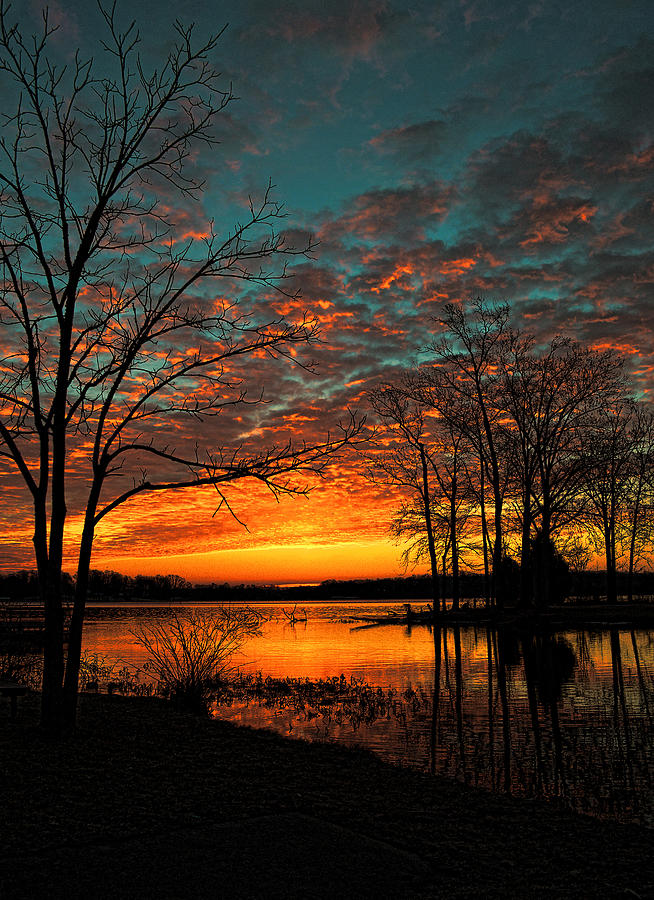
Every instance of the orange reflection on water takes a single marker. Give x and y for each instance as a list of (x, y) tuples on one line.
[(559, 716)]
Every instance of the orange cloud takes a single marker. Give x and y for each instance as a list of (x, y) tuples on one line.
[(551, 222), (398, 273), (457, 266)]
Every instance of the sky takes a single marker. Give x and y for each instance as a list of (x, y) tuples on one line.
[(436, 152)]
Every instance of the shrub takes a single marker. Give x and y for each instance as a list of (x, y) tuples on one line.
[(547, 557), (20, 662), (96, 670), (93, 669), (191, 654)]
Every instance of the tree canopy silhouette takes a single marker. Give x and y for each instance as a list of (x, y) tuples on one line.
[(547, 434)]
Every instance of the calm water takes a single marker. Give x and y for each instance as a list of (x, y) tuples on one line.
[(567, 717)]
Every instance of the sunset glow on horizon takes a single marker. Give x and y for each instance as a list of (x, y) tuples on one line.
[(282, 564)]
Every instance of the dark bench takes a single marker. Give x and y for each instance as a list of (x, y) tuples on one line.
[(13, 691)]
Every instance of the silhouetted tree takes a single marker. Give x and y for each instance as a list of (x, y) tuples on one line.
[(519, 374), (551, 398), (574, 384), (404, 463), (550, 568), (113, 320), (451, 457), (496, 412), (466, 356), (426, 453), (508, 577), (640, 525), (608, 458)]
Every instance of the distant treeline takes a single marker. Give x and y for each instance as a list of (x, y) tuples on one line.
[(108, 586)]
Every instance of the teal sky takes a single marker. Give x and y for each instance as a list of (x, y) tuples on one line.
[(436, 152)]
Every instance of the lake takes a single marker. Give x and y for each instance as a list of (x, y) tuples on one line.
[(565, 716)]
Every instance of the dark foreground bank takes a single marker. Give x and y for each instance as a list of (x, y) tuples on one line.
[(147, 802)]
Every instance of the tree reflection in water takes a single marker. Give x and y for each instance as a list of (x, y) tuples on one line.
[(520, 722)]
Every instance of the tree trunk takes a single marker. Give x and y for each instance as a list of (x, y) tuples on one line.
[(526, 577), (50, 593), (497, 555), (444, 579), (484, 534), (498, 501), (53, 659), (611, 582), (71, 680), (455, 545), (543, 562), (426, 497), (497, 493), (53, 655), (632, 543), (630, 571)]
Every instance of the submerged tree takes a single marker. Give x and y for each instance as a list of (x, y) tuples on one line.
[(114, 323)]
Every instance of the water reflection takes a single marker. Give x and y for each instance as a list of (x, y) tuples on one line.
[(551, 728), (565, 717), (531, 722)]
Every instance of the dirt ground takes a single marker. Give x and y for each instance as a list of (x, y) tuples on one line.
[(145, 801)]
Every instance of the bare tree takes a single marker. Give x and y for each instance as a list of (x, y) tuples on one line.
[(409, 527), (449, 468), (112, 321), (618, 456), (519, 380), (640, 528), (549, 398), (428, 455), (607, 454), (466, 355), (548, 430), (405, 463), (448, 535), (572, 385), (451, 457)]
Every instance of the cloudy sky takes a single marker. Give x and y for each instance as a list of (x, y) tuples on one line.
[(437, 151)]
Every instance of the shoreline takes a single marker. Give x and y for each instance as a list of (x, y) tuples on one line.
[(144, 785), (554, 618)]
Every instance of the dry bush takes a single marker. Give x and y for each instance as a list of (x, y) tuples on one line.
[(20, 661), (192, 653)]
